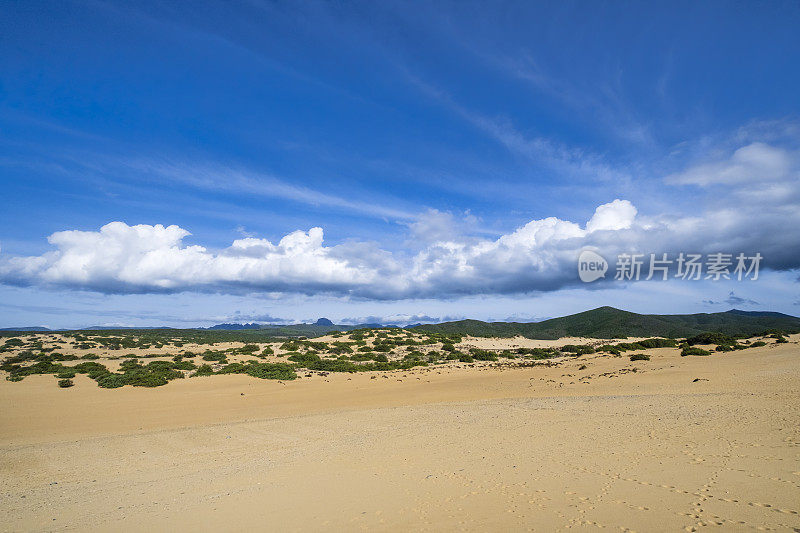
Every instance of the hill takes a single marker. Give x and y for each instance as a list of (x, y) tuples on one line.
[(609, 323)]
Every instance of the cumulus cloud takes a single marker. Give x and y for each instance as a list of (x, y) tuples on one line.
[(617, 215), (445, 261), (144, 258)]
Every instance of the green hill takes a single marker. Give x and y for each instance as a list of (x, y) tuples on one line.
[(609, 323)]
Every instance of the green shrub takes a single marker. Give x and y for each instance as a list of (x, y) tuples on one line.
[(340, 348), (215, 356), (414, 354), (657, 343), (203, 370), (694, 351), (110, 380), (730, 347), (381, 358), (184, 365), (482, 355), (382, 347), (464, 358), (65, 383), (280, 371), (232, 368), (577, 349), (640, 357), (303, 358), (538, 353), (333, 365), (248, 349), (89, 367), (710, 338), (758, 344)]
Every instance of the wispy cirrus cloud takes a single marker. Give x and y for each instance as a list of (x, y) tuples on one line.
[(567, 162), (222, 178)]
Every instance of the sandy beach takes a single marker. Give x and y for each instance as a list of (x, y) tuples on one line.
[(679, 443)]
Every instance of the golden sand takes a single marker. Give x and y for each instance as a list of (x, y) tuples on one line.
[(681, 443)]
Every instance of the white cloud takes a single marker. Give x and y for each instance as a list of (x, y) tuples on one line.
[(214, 177), (754, 163), (617, 215), (143, 258), (760, 214)]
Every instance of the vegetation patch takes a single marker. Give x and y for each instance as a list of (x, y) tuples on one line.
[(691, 350), (577, 349), (711, 338)]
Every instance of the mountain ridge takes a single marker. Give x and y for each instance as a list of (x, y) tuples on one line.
[(603, 322), (608, 322)]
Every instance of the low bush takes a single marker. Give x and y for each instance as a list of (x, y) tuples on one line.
[(232, 368), (690, 350), (219, 357), (65, 383), (303, 358), (203, 370), (711, 338), (415, 355), (482, 355), (644, 344), (730, 347), (184, 365), (248, 349), (640, 357), (577, 349)]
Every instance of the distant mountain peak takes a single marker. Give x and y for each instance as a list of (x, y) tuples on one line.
[(323, 322)]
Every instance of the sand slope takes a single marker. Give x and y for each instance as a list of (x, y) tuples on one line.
[(536, 448)]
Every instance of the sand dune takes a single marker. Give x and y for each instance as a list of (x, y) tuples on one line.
[(681, 443)]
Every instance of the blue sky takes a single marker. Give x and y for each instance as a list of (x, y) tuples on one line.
[(420, 138)]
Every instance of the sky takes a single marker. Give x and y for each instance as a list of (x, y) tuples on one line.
[(396, 162)]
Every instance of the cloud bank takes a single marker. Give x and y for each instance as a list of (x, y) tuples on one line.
[(755, 207)]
